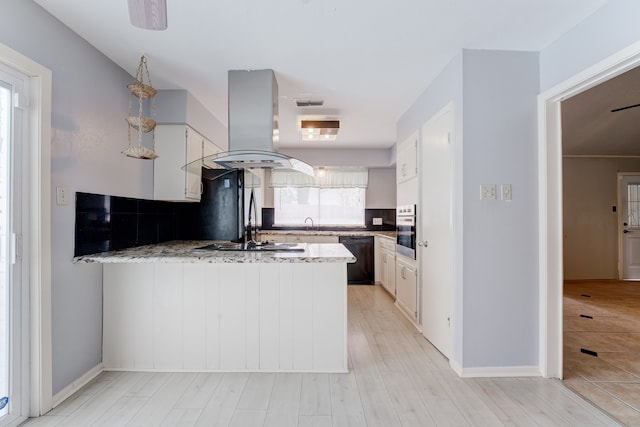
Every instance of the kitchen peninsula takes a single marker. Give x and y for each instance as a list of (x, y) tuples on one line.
[(169, 307)]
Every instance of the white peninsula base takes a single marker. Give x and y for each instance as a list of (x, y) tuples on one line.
[(271, 317)]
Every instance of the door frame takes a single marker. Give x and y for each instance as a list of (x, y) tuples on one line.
[(550, 199), (39, 227)]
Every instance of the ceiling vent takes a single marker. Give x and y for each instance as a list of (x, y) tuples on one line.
[(309, 102)]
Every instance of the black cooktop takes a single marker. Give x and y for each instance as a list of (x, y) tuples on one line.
[(254, 247)]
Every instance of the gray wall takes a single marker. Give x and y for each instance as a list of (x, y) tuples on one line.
[(590, 227), (90, 102), (500, 238), (496, 289), (381, 192), (609, 30), (180, 106)]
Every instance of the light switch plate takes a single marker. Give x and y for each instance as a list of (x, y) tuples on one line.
[(62, 196), (487, 192), (377, 221)]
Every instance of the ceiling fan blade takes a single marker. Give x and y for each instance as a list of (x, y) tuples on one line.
[(625, 108), (148, 14)]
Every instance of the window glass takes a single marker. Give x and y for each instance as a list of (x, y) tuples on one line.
[(326, 206)]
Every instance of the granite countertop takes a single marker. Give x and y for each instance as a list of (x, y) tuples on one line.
[(312, 232), (182, 251)]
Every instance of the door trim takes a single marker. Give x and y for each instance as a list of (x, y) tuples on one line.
[(39, 226), (550, 199)]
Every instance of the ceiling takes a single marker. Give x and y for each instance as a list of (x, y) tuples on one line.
[(367, 59), (589, 128)]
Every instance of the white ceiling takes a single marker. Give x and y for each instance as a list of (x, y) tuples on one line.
[(367, 59)]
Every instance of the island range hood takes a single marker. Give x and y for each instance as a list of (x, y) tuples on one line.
[(253, 126)]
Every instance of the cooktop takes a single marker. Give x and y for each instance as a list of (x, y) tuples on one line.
[(255, 247)]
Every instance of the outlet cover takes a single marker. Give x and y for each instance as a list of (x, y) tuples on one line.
[(377, 221), (487, 192), (505, 190)]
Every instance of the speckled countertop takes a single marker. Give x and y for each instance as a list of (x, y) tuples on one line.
[(312, 232), (182, 251)]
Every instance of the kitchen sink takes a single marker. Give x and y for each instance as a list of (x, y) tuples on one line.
[(254, 247)]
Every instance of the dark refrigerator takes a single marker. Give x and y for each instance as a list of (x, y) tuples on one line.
[(222, 205)]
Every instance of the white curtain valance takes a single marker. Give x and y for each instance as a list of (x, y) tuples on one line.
[(344, 177)]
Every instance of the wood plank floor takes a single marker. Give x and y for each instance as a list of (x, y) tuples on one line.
[(396, 378), (602, 345)]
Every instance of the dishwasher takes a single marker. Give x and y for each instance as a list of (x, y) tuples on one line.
[(361, 272)]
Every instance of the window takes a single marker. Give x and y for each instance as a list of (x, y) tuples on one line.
[(633, 205), (332, 197)]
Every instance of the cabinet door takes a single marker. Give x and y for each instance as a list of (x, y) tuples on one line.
[(406, 290), (390, 279), (193, 184), (209, 148), (406, 159)]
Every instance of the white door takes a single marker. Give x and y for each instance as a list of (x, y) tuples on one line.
[(435, 231), (13, 289), (629, 226)]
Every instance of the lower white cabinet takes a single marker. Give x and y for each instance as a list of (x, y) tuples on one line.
[(387, 263), (388, 272), (269, 317), (406, 288)]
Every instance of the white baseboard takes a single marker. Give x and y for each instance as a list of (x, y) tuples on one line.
[(59, 397), (499, 371)]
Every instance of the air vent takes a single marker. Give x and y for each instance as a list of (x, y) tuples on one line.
[(309, 102)]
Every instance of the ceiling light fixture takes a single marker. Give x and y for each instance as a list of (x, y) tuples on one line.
[(148, 14), (319, 130)]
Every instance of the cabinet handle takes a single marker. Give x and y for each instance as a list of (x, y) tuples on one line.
[(201, 188), (402, 273)]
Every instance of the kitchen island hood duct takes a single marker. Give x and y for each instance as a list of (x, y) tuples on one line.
[(253, 126)]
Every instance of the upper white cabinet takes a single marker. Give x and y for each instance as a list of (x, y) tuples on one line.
[(176, 146), (407, 159)]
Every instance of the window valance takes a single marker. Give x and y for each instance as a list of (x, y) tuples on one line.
[(326, 177)]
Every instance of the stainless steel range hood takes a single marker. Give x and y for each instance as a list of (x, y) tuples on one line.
[(253, 125)]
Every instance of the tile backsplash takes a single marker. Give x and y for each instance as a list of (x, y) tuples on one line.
[(105, 223)]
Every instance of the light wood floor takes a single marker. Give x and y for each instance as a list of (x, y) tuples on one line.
[(602, 345), (396, 379)]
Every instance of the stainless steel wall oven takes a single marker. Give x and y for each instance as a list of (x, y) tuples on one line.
[(406, 230)]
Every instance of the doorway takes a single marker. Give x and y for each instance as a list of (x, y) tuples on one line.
[(550, 199)]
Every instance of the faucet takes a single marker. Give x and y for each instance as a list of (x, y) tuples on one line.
[(305, 220)]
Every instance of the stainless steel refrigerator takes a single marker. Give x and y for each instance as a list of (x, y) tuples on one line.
[(222, 205)]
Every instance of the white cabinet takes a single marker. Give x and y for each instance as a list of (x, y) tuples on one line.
[(406, 288), (176, 146), (407, 159), (387, 263)]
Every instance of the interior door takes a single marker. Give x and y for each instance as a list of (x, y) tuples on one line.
[(629, 226), (435, 231)]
